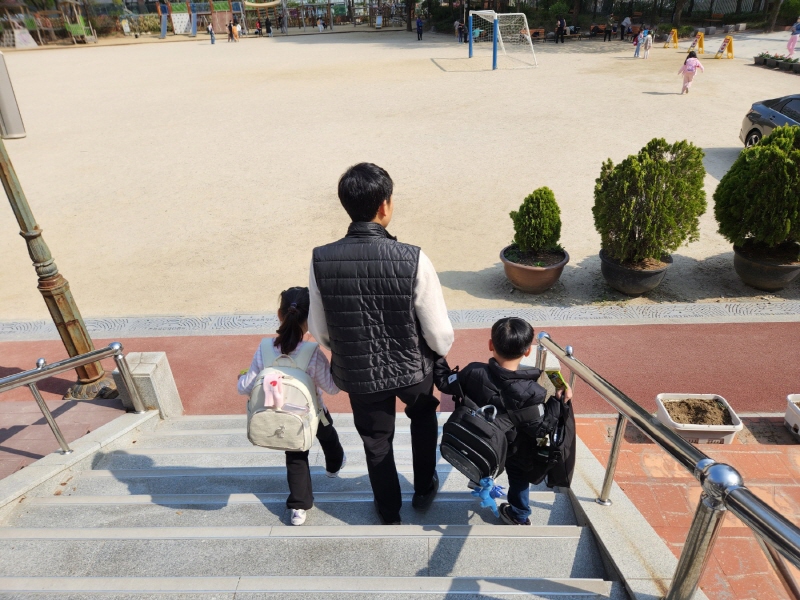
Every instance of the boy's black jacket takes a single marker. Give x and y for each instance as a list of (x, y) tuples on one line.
[(517, 391)]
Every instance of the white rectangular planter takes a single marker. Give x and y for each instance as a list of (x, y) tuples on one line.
[(699, 434), (792, 417)]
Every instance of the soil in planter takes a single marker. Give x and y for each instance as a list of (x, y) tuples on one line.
[(648, 264), (696, 411), (787, 253), (532, 258)]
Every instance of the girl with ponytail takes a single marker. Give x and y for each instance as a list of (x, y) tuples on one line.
[(293, 309)]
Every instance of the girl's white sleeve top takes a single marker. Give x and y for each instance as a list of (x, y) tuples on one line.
[(319, 369)]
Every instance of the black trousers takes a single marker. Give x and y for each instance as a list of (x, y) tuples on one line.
[(419, 34), (374, 417), (607, 34), (298, 474), (560, 32)]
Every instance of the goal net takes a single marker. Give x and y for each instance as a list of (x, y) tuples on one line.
[(513, 44)]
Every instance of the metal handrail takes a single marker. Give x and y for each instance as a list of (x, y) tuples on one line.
[(723, 487), (43, 371)]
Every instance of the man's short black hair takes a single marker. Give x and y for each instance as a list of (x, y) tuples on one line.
[(362, 190), (512, 337)]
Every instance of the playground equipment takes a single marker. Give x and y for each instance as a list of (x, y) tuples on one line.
[(77, 26), (506, 33), (263, 9), (19, 25)]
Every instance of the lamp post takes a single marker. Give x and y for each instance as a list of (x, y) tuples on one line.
[(93, 381)]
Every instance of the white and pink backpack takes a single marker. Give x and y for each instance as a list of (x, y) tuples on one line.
[(283, 412)]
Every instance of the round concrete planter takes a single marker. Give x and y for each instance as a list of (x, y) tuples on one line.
[(632, 282), (533, 280), (763, 275)]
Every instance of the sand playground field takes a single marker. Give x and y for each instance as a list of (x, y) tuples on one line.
[(191, 179)]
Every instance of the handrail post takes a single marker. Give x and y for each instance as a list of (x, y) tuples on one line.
[(717, 480), (127, 378), (781, 569), (541, 351), (569, 352), (48, 416), (611, 467)]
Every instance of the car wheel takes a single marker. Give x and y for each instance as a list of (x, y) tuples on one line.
[(752, 138)]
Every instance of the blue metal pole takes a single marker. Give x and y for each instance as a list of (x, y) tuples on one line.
[(469, 24), (495, 34)]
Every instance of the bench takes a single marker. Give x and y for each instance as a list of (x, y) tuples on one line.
[(635, 29), (568, 35), (715, 18), (535, 35)]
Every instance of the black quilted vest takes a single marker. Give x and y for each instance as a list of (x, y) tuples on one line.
[(367, 281)]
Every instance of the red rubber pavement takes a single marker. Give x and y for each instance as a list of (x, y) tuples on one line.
[(753, 365)]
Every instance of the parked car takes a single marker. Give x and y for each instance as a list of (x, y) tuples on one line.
[(766, 115)]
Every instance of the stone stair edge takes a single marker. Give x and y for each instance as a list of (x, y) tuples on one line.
[(329, 584), (280, 532), (228, 499)]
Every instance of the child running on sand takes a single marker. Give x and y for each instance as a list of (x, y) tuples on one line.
[(689, 68)]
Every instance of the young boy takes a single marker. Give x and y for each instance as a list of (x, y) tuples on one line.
[(505, 385)]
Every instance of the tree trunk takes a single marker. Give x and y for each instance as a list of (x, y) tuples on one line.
[(773, 15), (576, 9), (738, 6), (410, 4), (679, 4)]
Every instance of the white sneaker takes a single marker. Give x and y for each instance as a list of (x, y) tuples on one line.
[(298, 516), (336, 474)]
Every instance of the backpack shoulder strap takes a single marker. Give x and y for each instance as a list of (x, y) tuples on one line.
[(268, 352), (303, 358)]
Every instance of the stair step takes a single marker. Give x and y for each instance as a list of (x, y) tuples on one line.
[(318, 587), (271, 532), (240, 456), (332, 508), (241, 480), (189, 422), (377, 551), (236, 438)]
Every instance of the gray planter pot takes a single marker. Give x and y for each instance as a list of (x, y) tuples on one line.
[(785, 66), (796, 67), (759, 60), (771, 63), (762, 275), (631, 282)]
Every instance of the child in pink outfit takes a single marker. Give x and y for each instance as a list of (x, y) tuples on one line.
[(689, 68)]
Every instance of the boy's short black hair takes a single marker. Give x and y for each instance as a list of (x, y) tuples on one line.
[(362, 190), (511, 337)]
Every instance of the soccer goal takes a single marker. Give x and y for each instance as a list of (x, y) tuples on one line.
[(505, 34)]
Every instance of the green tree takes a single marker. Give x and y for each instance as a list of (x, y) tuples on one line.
[(650, 203), (758, 199), (537, 223)]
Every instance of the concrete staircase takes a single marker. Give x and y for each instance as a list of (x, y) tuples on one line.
[(190, 509)]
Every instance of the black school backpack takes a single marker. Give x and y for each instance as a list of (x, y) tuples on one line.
[(475, 439)]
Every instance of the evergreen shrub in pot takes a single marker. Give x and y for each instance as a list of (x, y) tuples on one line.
[(645, 208), (757, 207), (535, 260)]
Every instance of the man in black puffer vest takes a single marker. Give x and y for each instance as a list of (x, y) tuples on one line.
[(378, 306)]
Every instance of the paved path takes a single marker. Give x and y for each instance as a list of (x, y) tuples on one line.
[(768, 460)]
